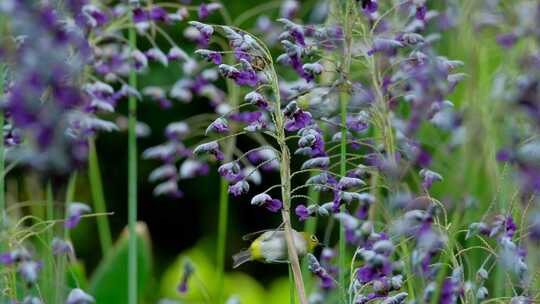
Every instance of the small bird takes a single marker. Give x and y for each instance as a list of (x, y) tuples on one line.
[(271, 247)]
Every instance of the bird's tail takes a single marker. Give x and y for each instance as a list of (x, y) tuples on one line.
[(241, 258)]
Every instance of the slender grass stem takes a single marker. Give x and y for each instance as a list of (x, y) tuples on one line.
[(62, 263), (345, 68), (224, 193), (49, 284), (342, 172), (98, 197), (132, 180), (3, 213), (222, 235)]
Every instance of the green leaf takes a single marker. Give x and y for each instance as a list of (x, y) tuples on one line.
[(109, 283)]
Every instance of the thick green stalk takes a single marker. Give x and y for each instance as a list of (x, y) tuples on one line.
[(132, 180), (98, 198)]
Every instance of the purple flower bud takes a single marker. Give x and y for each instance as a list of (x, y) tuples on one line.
[(384, 45), (74, 212), (205, 30), (239, 188), (29, 271), (507, 40), (78, 296), (61, 247), (220, 125), (140, 15), (140, 61), (289, 9), (302, 212), (158, 14), (157, 55), (191, 168), (94, 16), (210, 147), (317, 162), (257, 99), (189, 270), (206, 9), (327, 282), (421, 12), (177, 130), (298, 120), (176, 53), (265, 200), (168, 188), (211, 56), (429, 177), (369, 6), (350, 182), (230, 171)]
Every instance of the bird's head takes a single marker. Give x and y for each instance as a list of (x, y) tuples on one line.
[(311, 240)]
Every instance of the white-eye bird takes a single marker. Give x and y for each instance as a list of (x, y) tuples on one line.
[(271, 247)]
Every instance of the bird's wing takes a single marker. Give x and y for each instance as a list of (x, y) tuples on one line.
[(254, 235)]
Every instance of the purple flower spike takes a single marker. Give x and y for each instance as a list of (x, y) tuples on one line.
[(74, 213), (189, 269), (191, 168), (265, 200), (240, 188)]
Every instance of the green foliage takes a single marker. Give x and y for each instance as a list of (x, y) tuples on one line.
[(109, 282)]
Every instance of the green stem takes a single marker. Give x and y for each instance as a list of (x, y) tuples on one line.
[(132, 180), (222, 235), (3, 214), (49, 290), (98, 197), (343, 172), (344, 96), (230, 143), (61, 273), (310, 228)]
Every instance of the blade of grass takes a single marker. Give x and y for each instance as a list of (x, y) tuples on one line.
[(98, 197), (132, 180)]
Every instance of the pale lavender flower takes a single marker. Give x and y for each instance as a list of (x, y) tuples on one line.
[(78, 296), (74, 212)]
